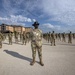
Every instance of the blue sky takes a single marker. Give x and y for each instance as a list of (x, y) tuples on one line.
[(57, 15)]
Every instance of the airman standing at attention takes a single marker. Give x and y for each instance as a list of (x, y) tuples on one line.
[(50, 37), (20, 36), (1, 39), (10, 37), (70, 37), (53, 39), (73, 35), (16, 37), (59, 36), (63, 37), (36, 43), (47, 37), (24, 38)]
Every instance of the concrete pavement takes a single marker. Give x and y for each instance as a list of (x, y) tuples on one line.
[(58, 60)]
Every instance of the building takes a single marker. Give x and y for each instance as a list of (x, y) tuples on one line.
[(13, 28), (6, 28), (18, 28), (28, 29)]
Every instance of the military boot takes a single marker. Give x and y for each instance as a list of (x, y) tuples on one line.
[(54, 45), (33, 61), (41, 63)]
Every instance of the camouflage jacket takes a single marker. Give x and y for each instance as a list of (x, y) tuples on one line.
[(36, 37)]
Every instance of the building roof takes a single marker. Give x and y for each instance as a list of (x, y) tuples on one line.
[(16, 26), (28, 27)]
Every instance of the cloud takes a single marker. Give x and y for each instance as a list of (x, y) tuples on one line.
[(18, 19), (57, 28), (53, 7), (50, 26), (24, 7), (58, 12), (61, 10), (34, 20)]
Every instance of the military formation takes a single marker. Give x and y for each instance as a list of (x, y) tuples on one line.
[(51, 37), (17, 37), (24, 37), (35, 37)]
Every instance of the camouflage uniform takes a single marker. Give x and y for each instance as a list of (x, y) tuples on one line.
[(63, 37), (16, 37), (24, 38), (53, 39), (10, 38), (59, 36), (20, 36), (45, 36), (4, 35), (70, 37), (28, 38), (73, 35), (49, 36), (36, 44), (56, 36), (1, 39)]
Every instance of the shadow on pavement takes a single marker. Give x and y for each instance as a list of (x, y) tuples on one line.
[(17, 43), (17, 55), (6, 43), (47, 44), (68, 44)]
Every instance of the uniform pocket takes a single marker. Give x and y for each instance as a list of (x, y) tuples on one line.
[(39, 44)]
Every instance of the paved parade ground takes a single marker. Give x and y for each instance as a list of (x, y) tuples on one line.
[(58, 60)]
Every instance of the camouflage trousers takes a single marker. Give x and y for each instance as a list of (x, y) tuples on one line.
[(49, 40), (28, 40), (63, 40), (0, 44), (34, 49), (52, 42), (70, 40), (16, 40), (24, 41), (20, 39), (10, 41)]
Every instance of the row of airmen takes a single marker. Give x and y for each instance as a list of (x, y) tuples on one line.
[(24, 38), (51, 37)]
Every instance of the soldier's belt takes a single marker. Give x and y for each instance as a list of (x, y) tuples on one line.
[(35, 40)]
